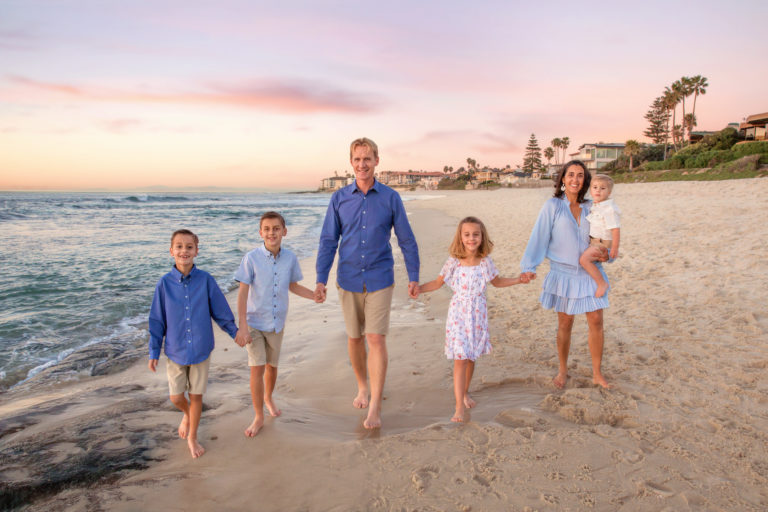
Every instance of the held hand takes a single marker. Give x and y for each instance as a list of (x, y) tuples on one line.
[(604, 253), (524, 279), (320, 292), (530, 276), (152, 364), (243, 337), (413, 290)]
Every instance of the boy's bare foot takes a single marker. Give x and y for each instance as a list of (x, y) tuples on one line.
[(254, 427), (361, 400), (272, 408), (560, 379), (601, 289), (184, 427), (373, 420), (195, 448), (468, 402), (600, 380), (458, 416)]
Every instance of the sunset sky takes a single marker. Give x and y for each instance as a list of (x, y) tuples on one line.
[(256, 94)]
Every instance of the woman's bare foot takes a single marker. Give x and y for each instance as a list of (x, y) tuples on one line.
[(458, 415), (600, 380), (184, 427), (601, 289), (195, 448), (468, 402), (272, 408), (254, 427), (361, 400), (374, 418), (560, 379)]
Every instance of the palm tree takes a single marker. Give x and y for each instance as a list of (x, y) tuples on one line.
[(690, 122), (699, 85), (672, 95), (631, 148), (564, 143), (670, 103), (548, 154), (557, 144)]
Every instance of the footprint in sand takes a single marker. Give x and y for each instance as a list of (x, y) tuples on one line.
[(423, 476)]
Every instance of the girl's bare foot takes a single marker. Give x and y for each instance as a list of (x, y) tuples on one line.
[(600, 380), (195, 448), (184, 427), (468, 402), (374, 419), (361, 400), (560, 379), (458, 416), (254, 427), (272, 408)]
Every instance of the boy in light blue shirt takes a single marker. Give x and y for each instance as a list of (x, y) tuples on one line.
[(266, 275)]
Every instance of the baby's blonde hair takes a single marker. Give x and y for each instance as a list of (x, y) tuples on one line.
[(605, 179), (457, 246)]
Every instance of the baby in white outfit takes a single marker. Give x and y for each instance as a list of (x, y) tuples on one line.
[(604, 218)]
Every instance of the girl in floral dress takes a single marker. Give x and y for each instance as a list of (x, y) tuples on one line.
[(467, 272)]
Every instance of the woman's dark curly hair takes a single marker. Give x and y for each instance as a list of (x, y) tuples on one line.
[(584, 186)]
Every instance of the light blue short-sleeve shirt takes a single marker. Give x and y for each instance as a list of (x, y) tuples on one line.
[(268, 278)]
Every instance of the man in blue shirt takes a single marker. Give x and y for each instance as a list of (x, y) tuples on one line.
[(362, 215), (185, 300)]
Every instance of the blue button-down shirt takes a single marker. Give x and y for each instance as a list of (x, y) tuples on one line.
[(181, 313), (364, 223), (268, 279)]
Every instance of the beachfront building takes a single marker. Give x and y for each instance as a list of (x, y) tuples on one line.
[(487, 175), (428, 180), (336, 182), (597, 156), (754, 127)]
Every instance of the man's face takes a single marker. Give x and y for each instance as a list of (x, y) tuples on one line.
[(364, 163)]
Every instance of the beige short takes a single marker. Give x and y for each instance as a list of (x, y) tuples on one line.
[(366, 313), (600, 241), (264, 347), (189, 377)]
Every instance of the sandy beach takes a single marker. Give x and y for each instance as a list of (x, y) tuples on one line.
[(684, 428)]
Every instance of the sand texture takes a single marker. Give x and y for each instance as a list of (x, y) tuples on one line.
[(684, 428)]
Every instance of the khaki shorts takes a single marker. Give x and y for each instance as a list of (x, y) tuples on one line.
[(264, 347), (366, 313), (190, 377)]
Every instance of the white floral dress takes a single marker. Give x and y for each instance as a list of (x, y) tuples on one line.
[(466, 327)]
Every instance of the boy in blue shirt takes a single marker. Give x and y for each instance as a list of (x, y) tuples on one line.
[(186, 298), (266, 275)]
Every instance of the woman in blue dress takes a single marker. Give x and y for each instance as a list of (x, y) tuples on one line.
[(561, 234)]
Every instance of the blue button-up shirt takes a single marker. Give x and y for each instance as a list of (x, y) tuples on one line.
[(364, 223), (268, 279), (181, 313)]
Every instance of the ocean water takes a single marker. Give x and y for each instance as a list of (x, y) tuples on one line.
[(79, 269)]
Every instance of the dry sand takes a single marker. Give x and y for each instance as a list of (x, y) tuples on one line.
[(685, 427)]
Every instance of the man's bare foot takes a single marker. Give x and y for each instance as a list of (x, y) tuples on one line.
[(361, 400), (254, 427), (458, 416), (195, 448), (560, 379), (601, 289), (600, 380), (373, 420), (468, 402), (184, 427), (272, 408)]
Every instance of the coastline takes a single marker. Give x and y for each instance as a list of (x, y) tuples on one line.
[(684, 428)]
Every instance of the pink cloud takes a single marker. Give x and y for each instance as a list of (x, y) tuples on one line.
[(295, 98)]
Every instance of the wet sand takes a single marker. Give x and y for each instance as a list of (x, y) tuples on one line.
[(685, 427)]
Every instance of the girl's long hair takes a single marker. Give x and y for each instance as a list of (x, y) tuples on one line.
[(457, 247)]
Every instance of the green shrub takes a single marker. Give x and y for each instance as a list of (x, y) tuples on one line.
[(708, 159), (750, 148), (743, 164)]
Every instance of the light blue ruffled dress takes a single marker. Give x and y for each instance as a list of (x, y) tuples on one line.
[(557, 236)]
